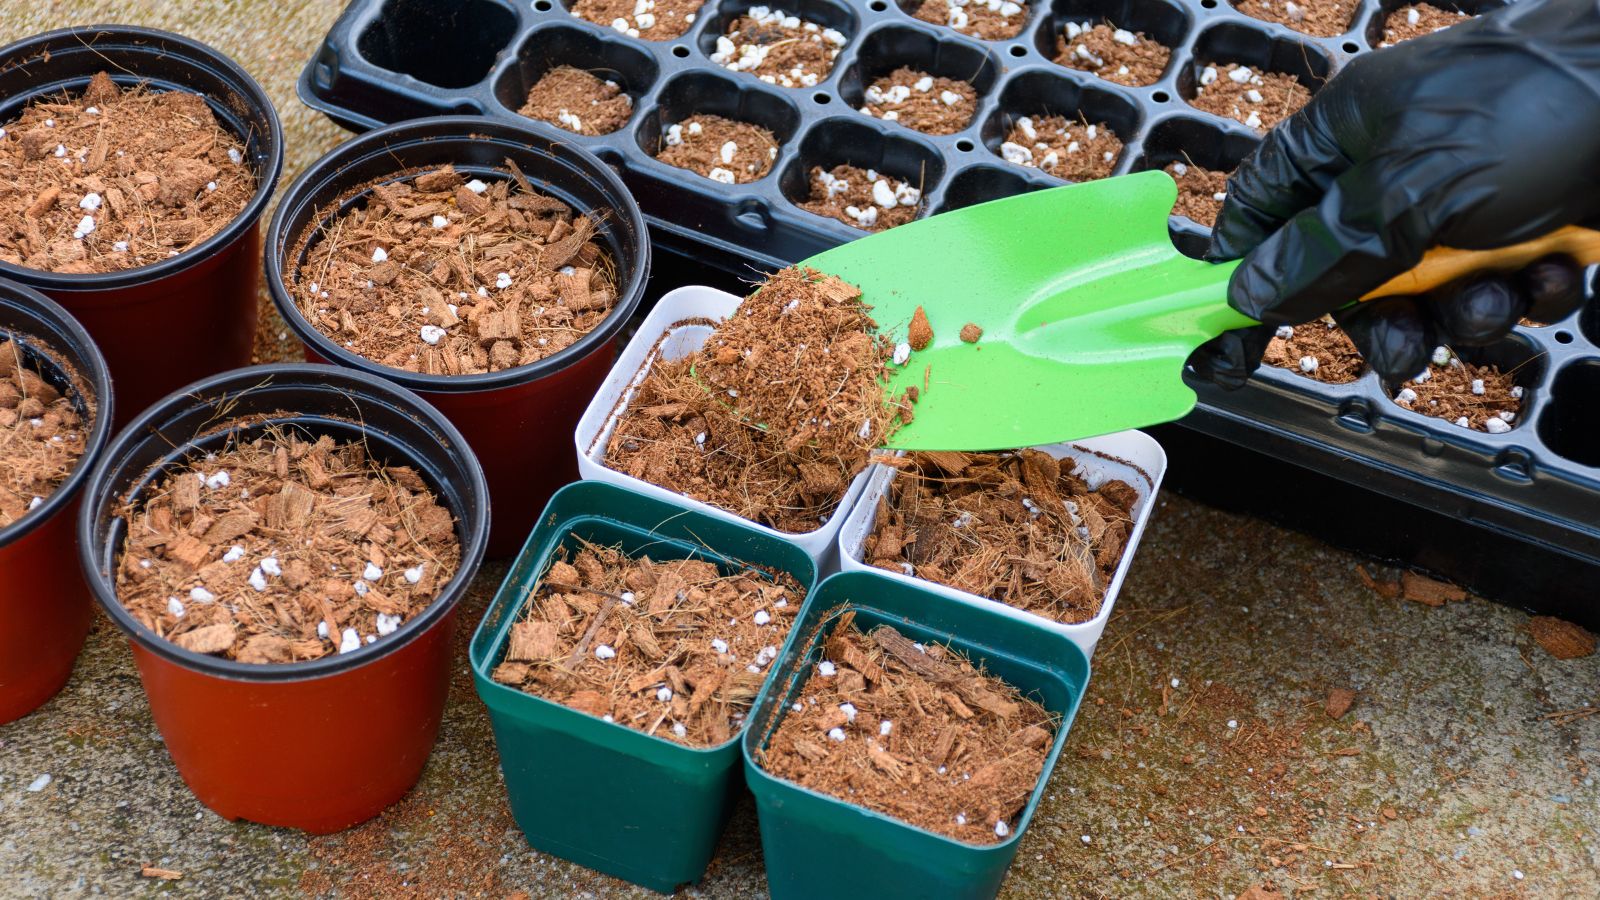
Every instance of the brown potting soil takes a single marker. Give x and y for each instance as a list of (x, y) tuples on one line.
[(1231, 91), (42, 435), (578, 101), (853, 196), (720, 149), (440, 274), (913, 731), (1319, 350), (1018, 528), (651, 20), (112, 179), (1322, 18), (784, 405), (779, 48), (988, 20), (1482, 398), (918, 100), (1416, 20), (1115, 54), (1074, 150), (672, 648), (280, 549), (1201, 192)]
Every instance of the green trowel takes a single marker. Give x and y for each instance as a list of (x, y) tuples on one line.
[(1088, 311)]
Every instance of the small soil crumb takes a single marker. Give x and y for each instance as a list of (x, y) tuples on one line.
[(578, 101), (449, 276), (1076, 151), (1018, 528), (1259, 100), (673, 648), (879, 711), (651, 20), (1201, 192), (1416, 20), (116, 178), (1560, 638), (1321, 18), (988, 20), (921, 101), (41, 429), (1429, 591), (920, 334), (778, 48), (862, 198), (970, 333), (1115, 54), (1339, 702), (1319, 350), (784, 404), (720, 149), (282, 549), (1482, 398)]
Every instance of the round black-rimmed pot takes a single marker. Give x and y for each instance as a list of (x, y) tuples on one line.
[(172, 322), (519, 421), (44, 604), (321, 744)]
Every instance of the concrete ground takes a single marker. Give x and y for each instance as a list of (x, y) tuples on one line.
[(1203, 762)]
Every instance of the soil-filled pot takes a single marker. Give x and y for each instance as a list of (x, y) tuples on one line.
[(680, 324), (1132, 457), (640, 807), (319, 744), (162, 325), (515, 419), (812, 841), (44, 604)]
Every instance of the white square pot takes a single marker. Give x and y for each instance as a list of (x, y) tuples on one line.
[(1129, 456), (680, 324)]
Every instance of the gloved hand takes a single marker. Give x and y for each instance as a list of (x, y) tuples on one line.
[(1480, 136)]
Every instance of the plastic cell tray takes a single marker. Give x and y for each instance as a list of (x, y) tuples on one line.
[(1528, 496)]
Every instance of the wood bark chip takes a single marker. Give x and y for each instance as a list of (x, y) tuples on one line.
[(1429, 591), (1560, 638)]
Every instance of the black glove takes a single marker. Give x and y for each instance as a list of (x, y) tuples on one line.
[(1480, 136)]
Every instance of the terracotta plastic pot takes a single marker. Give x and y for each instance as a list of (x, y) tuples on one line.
[(166, 324), (44, 604), (322, 744), (519, 420)]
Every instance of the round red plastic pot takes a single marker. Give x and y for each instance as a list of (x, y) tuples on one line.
[(519, 421), (323, 744), (166, 324), (44, 604)]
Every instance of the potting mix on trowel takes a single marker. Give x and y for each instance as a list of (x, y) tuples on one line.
[(42, 429), (675, 648), (283, 548)]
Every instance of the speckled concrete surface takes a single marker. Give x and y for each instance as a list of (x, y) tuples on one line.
[(1202, 763)]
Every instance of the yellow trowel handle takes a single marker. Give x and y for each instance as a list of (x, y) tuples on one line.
[(1443, 265)]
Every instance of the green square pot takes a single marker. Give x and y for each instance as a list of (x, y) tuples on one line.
[(819, 846), (603, 795)]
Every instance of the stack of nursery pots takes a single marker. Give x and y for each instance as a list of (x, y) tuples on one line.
[(516, 410), (44, 604), (179, 303), (269, 712), (670, 793)]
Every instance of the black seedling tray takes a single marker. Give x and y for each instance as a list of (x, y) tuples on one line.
[(1538, 484)]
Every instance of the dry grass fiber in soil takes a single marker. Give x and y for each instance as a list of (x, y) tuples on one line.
[(1076, 151), (778, 48), (862, 198), (915, 99), (721, 149), (913, 731), (987, 20), (445, 275), (1482, 398), (1321, 18), (1319, 350), (650, 20), (785, 403), (1416, 20), (281, 548), (1115, 54), (1018, 528), (578, 101), (42, 433), (1201, 192), (1260, 100), (112, 179), (672, 648)]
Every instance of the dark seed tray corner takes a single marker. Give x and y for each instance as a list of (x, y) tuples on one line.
[(1538, 484)]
